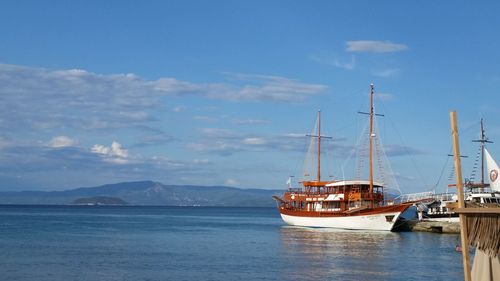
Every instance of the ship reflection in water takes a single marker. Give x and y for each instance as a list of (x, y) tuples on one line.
[(330, 254)]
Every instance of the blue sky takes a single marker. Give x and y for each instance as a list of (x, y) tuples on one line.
[(223, 92)]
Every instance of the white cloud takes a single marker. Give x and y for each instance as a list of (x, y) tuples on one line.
[(61, 141), (114, 154), (367, 46), (231, 182), (254, 141), (295, 135)]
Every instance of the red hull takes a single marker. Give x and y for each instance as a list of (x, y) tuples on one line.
[(364, 212)]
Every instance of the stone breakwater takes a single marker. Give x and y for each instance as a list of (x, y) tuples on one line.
[(434, 226)]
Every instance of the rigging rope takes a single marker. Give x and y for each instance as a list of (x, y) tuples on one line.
[(442, 170)]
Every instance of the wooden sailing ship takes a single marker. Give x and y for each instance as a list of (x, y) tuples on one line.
[(344, 204)]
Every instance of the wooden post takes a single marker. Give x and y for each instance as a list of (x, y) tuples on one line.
[(461, 203)]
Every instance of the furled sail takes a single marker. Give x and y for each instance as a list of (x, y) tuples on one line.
[(493, 172)]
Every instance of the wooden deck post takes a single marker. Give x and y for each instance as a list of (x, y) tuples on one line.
[(461, 203)]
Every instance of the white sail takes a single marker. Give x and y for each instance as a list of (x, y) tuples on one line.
[(493, 172)]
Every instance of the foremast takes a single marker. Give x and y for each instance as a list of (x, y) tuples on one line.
[(317, 183)]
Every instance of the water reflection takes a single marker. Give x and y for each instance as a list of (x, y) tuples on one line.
[(322, 253)]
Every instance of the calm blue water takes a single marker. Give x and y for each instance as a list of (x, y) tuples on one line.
[(171, 243)]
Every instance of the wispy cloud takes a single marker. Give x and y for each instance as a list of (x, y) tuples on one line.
[(384, 96), (225, 142), (179, 108), (266, 88), (401, 150), (367, 46), (387, 72), (39, 98), (333, 60), (218, 147), (154, 138), (204, 118), (251, 121)]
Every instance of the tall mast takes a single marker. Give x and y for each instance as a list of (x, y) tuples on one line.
[(371, 145), (319, 146), (372, 135), (319, 136), (483, 140), (482, 153)]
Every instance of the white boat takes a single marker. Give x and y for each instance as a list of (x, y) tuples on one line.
[(478, 193)]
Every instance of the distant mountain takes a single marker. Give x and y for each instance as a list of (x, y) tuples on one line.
[(151, 193)]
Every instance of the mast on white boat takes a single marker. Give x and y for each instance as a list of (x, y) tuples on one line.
[(482, 140)]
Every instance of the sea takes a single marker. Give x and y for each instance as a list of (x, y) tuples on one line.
[(54, 243)]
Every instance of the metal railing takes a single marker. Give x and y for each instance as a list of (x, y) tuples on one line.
[(412, 197)]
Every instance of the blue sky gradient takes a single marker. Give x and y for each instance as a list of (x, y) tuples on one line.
[(223, 92)]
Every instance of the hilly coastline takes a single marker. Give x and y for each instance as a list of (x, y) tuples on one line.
[(150, 193)]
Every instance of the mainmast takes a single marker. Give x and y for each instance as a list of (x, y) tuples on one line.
[(319, 146), (372, 135), (371, 145)]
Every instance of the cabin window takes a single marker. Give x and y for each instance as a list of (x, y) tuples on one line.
[(389, 218)]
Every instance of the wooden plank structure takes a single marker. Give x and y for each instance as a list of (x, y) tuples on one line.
[(479, 227)]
